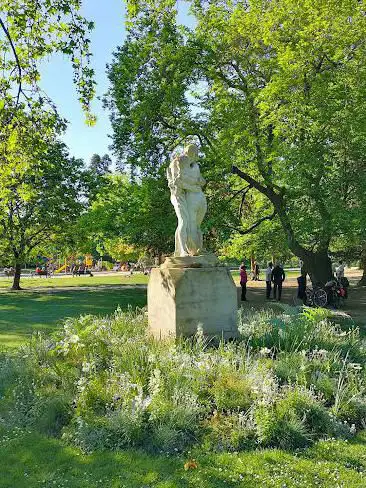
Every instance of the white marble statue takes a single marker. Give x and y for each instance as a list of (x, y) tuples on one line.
[(189, 201)]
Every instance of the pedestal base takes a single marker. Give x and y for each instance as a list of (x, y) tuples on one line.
[(184, 300)]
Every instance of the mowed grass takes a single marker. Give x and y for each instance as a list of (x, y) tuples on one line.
[(31, 460), (67, 281), (22, 313)]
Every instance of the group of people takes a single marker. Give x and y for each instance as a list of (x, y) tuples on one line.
[(43, 270), (275, 276), (81, 269)]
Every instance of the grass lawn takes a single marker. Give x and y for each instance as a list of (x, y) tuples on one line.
[(25, 312), (67, 281), (31, 460)]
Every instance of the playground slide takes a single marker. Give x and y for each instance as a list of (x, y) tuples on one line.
[(61, 269)]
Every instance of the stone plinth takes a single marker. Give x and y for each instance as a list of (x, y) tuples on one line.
[(183, 300)]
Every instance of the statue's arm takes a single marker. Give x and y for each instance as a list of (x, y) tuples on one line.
[(188, 186)]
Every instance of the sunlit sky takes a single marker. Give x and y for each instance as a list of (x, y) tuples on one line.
[(109, 33)]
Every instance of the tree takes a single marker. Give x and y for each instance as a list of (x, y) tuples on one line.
[(266, 243), (138, 213), (31, 31), (40, 198), (118, 250), (34, 167), (100, 165), (274, 90)]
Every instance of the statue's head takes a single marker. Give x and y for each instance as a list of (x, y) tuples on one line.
[(191, 151)]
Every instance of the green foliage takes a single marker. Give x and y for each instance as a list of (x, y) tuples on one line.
[(138, 214), (272, 88), (100, 165), (232, 391), (32, 31), (42, 193)]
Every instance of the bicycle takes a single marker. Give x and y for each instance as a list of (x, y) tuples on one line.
[(314, 297)]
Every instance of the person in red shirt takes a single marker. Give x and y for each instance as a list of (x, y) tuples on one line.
[(243, 282)]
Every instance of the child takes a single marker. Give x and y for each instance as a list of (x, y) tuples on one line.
[(243, 282)]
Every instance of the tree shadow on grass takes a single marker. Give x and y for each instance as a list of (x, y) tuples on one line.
[(32, 460), (24, 313)]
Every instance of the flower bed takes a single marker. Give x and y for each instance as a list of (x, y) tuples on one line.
[(104, 384)]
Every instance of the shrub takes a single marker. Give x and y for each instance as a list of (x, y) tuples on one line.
[(293, 421), (234, 431), (232, 391)]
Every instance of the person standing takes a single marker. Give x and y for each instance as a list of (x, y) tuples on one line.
[(243, 282), (269, 280), (301, 287), (340, 271), (278, 277)]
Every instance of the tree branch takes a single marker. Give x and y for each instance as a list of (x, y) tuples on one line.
[(16, 59), (252, 227), (254, 183)]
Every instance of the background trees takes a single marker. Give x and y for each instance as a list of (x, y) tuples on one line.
[(131, 213), (40, 197), (273, 89), (40, 184), (100, 166)]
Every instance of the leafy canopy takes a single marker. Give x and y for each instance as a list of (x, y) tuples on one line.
[(274, 88)]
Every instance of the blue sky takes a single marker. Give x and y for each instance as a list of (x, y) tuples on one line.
[(109, 32)]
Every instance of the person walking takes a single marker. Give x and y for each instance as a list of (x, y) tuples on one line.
[(243, 282), (269, 280), (278, 277)]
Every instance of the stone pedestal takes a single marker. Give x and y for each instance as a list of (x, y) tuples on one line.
[(190, 294)]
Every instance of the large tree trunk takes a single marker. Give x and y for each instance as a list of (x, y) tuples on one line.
[(16, 281), (318, 266)]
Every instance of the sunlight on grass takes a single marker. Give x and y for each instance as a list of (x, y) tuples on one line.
[(26, 312), (31, 460), (67, 281)]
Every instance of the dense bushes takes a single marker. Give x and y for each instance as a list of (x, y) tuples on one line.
[(104, 384)]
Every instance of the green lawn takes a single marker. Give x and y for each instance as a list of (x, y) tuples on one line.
[(31, 460), (22, 313), (61, 281)]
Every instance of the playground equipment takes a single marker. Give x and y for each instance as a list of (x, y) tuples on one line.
[(63, 268), (87, 260)]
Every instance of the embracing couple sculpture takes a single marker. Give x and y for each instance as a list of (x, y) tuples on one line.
[(185, 182)]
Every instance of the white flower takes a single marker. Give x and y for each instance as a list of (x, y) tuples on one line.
[(265, 351), (356, 366)]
